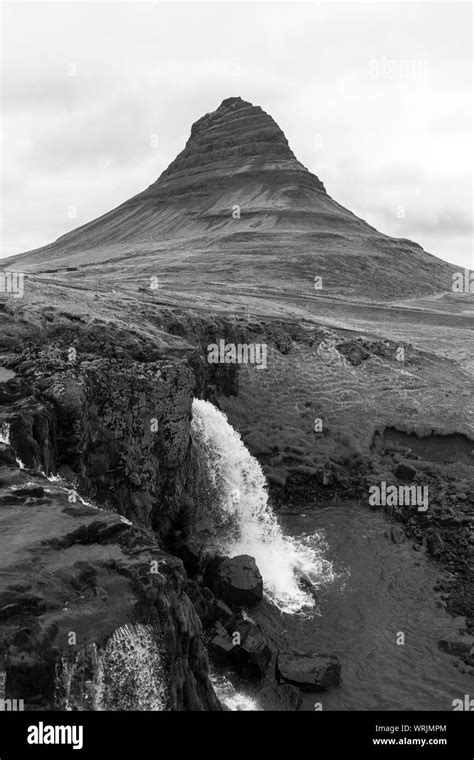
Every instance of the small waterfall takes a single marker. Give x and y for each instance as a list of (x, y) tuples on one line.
[(126, 674), (5, 438), (5, 433), (230, 697), (244, 522)]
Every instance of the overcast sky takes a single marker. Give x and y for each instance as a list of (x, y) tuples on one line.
[(374, 98)]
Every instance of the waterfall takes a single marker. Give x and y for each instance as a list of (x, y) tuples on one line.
[(126, 674), (5, 433), (5, 438), (244, 522), (229, 696)]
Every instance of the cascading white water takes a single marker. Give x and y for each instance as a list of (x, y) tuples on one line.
[(133, 677), (5, 433), (5, 438), (249, 525), (127, 674), (227, 694)]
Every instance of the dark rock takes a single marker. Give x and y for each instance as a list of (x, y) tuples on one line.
[(223, 613), (220, 643), (309, 671), (110, 587), (252, 656), (284, 698), (459, 648), (236, 581), (9, 498), (354, 352), (207, 595), (307, 585), (434, 543), (276, 478), (203, 605), (405, 472), (7, 455), (191, 556), (29, 490), (80, 511), (397, 534)]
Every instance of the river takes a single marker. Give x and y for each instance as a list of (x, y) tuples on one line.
[(379, 590)]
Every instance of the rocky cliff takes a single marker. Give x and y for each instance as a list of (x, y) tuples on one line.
[(106, 410), (78, 421)]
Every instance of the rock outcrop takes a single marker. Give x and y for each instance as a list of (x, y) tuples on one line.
[(72, 576), (236, 580), (309, 671)]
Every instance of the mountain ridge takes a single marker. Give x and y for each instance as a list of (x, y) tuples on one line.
[(237, 199)]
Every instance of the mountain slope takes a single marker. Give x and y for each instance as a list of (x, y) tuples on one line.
[(237, 202)]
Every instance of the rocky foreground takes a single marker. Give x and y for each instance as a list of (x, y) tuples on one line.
[(115, 540)]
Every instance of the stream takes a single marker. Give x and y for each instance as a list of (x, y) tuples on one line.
[(380, 589)]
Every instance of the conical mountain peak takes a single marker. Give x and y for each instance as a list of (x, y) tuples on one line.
[(236, 137), (237, 198)]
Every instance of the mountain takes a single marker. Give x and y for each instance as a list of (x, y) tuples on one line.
[(367, 382), (236, 202)]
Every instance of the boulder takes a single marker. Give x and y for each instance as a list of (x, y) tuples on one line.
[(457, 648), (434, 543), (7, 455), (405, 472), (397, 534), (191, 555), (223, 613), (220, 643), (236, 580), (309, 671), (284, 698), (202, 605), (252, 656)]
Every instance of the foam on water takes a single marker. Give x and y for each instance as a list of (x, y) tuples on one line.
[(51, 478), (250, 525), (127, 674), (230, 697)]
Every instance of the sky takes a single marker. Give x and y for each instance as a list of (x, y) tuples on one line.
[(374, 98)]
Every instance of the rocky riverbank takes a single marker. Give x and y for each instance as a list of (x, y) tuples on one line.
[(106, 409)]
